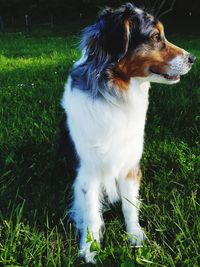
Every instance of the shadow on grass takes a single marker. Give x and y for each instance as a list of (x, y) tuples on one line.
[(35, 173)]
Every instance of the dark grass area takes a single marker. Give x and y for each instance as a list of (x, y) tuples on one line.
[(34, 180)]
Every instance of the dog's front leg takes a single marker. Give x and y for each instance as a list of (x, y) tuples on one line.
[(129, 190), (86, 210)]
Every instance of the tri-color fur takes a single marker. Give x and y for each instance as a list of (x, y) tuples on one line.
[(106, 100)]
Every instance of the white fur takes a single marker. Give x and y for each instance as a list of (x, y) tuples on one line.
[(177, 66), (109, 141)]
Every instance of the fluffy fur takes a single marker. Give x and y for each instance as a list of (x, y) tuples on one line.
[(106, 100)]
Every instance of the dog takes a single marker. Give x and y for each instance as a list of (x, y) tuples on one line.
[(105, 101)]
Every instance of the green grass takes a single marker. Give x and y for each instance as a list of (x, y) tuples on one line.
[(34, 181)]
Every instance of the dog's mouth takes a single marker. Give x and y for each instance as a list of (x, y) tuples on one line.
[(166, 76)]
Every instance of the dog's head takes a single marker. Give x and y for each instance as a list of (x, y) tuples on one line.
[(135, 43)]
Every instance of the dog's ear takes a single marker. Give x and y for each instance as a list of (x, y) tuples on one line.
[(117, 30), (110, 36)]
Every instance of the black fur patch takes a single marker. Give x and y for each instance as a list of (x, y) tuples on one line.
[(67, 149), (84, 191)]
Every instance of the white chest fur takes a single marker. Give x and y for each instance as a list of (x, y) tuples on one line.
[(108, 137), (109, 141)]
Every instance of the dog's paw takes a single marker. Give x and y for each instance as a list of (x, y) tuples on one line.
[(137, 237), (88, 255)]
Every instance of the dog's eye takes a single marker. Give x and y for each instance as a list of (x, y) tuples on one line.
[(156, 37)]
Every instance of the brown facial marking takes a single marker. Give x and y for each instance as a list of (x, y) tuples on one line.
[(138, 65), (137, 176), (160, 27), (127, 25), (120, 80), (162, 58), (121, 84), (149, 56)]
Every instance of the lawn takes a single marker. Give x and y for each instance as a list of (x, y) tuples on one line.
[(34, 179)]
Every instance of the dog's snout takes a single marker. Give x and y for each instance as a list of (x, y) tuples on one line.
[(191, 58)]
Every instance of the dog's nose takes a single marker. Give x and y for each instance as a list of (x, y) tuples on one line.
[(191, 58)]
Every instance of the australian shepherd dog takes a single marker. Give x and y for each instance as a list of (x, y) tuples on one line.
[(105, 102)]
